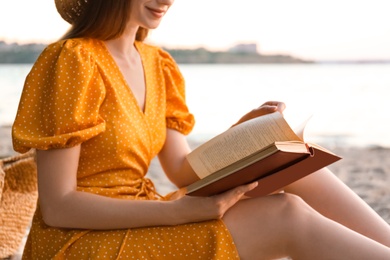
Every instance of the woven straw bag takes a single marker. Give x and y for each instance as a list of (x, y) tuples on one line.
[(18, 198)]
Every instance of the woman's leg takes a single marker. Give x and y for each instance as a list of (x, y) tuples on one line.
[(284, 225), (324, 192)]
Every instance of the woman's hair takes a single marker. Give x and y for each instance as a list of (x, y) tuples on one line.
[(104, 20)]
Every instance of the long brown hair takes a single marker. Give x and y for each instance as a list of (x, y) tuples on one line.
[(104, 20)]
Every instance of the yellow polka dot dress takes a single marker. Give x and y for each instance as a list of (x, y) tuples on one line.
[(76, 94)]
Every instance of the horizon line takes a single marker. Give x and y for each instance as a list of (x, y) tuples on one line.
[(226, 49)]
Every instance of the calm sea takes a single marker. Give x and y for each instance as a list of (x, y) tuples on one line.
[(349, 104)]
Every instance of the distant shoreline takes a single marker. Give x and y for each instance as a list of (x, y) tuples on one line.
[(27, 53), (14, 53)]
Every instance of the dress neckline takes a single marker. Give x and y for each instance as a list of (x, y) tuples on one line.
[(138, 46)]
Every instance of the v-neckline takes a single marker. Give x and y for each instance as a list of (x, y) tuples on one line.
[(127, 85)]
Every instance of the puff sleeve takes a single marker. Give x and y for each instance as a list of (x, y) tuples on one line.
[(59, 106), (178, 116)]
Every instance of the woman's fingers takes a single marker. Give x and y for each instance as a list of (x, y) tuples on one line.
[(229, 198), (238, 192), (266, 108), (273, 106), (195, 209)]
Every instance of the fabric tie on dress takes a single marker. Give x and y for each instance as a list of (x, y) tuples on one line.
[(146, 187)]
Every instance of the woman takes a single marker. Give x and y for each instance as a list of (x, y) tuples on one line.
[(100, 104)]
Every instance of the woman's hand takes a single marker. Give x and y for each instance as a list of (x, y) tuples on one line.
[(196, 209), (266, 108)]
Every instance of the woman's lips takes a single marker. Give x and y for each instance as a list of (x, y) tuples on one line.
[(156, 12)]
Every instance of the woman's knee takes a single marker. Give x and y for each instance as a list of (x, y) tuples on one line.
[(292, 210), (291, 204), (295, 219), (284, 206), (269, 223), (281, 210)]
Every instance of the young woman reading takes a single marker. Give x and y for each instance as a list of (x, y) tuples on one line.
[(99, 104)]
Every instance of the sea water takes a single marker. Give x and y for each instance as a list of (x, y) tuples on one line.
[(348, 104)]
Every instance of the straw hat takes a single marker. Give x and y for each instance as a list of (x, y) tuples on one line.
[(70, 10)]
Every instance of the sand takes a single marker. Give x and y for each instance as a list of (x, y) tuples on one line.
[(366, 170)]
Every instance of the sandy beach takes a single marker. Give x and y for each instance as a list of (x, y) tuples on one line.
[(366, 170)]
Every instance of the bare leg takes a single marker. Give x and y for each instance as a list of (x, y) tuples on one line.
[(332, 198), (284, 225)]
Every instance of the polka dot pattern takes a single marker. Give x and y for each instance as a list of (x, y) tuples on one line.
[(76, 94), (204, 240)]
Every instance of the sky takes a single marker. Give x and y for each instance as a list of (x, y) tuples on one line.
[(309, 29)]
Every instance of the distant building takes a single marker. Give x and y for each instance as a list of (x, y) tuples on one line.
[(244, 48)]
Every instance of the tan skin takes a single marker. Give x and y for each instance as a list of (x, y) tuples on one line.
[(317, 217)]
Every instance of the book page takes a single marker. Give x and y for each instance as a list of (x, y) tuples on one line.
[(240, 141), (300, 130)]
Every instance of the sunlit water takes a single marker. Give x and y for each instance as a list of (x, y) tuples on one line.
[(349, 104)]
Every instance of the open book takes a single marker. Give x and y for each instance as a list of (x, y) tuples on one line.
[(265, 149)]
